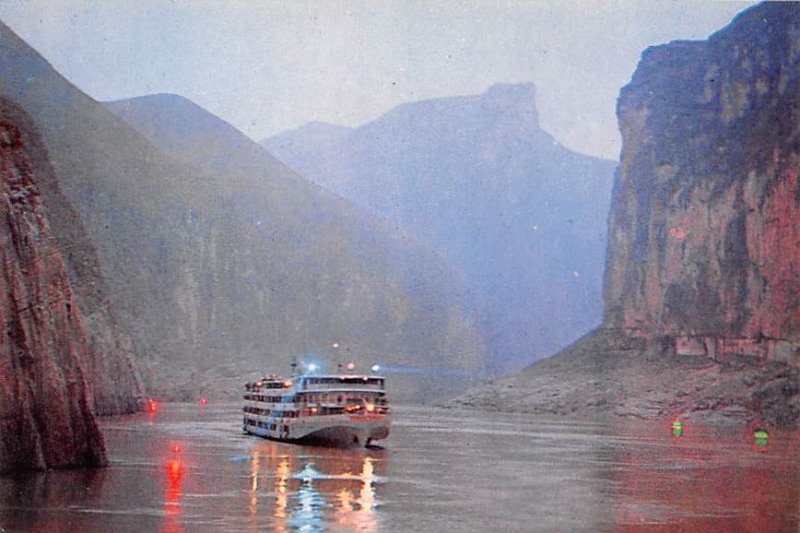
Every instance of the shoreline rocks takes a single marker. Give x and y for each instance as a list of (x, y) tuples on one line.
[(605, 375)]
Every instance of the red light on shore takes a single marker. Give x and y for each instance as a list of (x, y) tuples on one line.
[(152, 406), (203, 402)]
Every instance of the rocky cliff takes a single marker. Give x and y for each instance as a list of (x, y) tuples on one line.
[(45, 413), (112, 376), (705, 221), (702, 289), (519, 216)]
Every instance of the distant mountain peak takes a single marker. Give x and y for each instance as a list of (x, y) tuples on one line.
[(519, 99), (512, 94), (501, 103), (167, 106)]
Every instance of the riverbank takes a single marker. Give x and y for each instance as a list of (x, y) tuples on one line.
[(603, 375)]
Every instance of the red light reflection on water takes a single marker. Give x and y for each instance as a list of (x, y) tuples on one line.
[(706, 480), (172, 496)]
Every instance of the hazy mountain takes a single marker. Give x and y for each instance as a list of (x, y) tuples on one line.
[(304, 144), (520, 216), (220, 268)]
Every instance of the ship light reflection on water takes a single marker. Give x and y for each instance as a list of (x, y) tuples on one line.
[(310, 490)]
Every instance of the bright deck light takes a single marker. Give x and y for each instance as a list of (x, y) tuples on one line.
[(312, 367), (376, 368)]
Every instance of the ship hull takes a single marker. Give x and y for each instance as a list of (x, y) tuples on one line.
[(341, 431)]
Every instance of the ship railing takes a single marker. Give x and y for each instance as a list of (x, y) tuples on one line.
[(344, 386)]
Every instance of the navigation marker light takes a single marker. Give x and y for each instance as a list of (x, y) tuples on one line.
[(350, 365), (376, 368), (312, 367)]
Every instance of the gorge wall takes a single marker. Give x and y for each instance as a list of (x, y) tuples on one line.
[(221, 263), (704, 232), (112, 377), (46, 419)]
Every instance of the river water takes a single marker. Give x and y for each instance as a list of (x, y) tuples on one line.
[(187, 468)]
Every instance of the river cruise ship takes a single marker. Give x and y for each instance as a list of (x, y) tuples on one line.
[(344, 410)]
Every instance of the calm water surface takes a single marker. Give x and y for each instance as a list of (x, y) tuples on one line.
[(189, 469)]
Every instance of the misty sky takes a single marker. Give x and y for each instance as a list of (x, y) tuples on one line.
[(267, 66)]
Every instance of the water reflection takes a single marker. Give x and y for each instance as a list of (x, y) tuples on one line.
[(172, 497), (24, 498), (701, 479), (192, 471), (315, 487)]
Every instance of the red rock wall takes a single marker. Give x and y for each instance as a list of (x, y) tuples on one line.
[(112, 378), (45, 415), (705, 223)]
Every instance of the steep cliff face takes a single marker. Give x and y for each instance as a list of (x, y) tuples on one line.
[(45, 415), (112, 377), (704, 243), (705, 224)]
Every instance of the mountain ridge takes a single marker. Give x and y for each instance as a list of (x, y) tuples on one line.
[(205, 256), (478, 179)]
